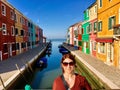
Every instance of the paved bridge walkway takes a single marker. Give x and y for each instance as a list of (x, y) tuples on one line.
[(107, 74)]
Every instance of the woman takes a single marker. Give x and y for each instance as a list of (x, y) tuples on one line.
[(69, 80)]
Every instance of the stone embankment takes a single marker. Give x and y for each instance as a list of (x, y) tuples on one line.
[(12, 68)]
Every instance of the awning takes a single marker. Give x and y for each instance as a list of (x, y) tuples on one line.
[(104, 40)]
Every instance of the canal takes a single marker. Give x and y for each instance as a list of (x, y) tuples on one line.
[(43, 78)]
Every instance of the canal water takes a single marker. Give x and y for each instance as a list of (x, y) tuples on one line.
[(43, 78)]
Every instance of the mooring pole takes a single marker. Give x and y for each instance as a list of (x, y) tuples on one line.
[(29, 66), (21, 73), (2, 83)]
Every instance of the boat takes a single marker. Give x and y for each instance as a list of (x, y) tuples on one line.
[(63, 50), (42, 62)]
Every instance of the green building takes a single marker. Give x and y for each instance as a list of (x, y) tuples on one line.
[(85, 35)]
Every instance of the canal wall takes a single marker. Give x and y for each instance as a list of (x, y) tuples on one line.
[(19, 67), (100, 75)]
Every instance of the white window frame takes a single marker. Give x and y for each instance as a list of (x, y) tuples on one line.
[(112, 22), (12, 14), (100, 3), (101, 49), (4, 29), (3, 10)]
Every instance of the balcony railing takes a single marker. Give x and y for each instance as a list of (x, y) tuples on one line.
[(116, 30)]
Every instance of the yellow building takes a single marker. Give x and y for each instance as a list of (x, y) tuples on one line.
[(18, 31), (108, 16)]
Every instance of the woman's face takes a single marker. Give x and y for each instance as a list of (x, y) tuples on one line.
[(68, 65)]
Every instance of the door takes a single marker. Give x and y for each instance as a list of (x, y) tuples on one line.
[(10, 50), (109, 53)]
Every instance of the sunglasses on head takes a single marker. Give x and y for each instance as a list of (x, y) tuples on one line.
[(66, 63)]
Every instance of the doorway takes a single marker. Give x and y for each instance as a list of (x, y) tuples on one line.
[(109, 53)]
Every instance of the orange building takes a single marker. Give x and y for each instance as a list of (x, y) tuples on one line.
[(108, 16), (18, 31)]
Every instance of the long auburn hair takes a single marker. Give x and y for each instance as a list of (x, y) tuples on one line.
[(70, 56)]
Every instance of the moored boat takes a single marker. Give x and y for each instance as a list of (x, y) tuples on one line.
[(42, 62)]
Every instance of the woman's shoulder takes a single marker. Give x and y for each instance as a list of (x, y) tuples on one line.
[(58, 78), (78, 76)]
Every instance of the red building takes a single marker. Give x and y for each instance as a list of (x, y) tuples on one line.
[(25, 33), (7, 32)]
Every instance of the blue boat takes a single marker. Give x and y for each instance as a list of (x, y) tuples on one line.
[(42, 62), (63, 50)]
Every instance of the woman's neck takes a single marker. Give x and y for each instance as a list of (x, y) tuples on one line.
[(68, 75)]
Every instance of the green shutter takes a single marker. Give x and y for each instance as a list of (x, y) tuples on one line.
[(109, 23)]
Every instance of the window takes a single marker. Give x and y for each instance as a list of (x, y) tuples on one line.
[(15, 17), (80, 30), (13, 47), (12, 14), (22, 45), (87, 12), (111, 22), (95, 26), (87, 29), (4, 30), (5, 48), (17, 46), (16, 31), (94, 45), (95, 9), (100, 26), (100, 3), (90, 27), (22, 32), (12, 31), (21, 20), (3, 10), (101, 48)]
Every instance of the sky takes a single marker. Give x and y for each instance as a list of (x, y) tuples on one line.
[(53, 16)]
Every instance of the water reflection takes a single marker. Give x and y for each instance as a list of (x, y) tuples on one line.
[(43, 78)]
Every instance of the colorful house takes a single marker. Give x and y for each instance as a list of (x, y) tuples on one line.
[(93, 27), (7, 31), (74, 34), (70, 35), (18, 31), (108, 16), (34, 36), (30, 29), (25, 33), (80, 32), (85, 35), (116, 35), (41, 36)]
